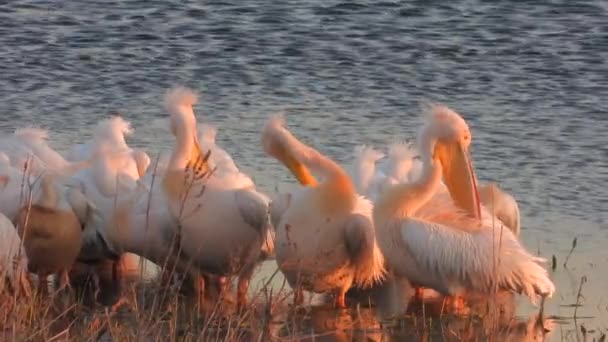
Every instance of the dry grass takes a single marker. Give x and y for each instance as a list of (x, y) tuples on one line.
[(155, 313)]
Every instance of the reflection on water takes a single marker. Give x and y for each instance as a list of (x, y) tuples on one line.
[(323, 323)]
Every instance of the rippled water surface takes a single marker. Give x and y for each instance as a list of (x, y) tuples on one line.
[(530, 77)]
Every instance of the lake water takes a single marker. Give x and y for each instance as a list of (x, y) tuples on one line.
[(531, 78)]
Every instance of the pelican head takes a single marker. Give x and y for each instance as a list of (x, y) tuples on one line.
[(446, 139), (113, 130), (282, 145), (179, 102)]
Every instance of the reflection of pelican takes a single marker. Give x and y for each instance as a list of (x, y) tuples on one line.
[(322, 323), (493, 325), (219, 229), (325, 240), (444, 243)]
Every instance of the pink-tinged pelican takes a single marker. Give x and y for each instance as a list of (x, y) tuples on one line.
[(220, 229), (325, 239), (402, 166), (113, 173), (28, 149), (444, 242)]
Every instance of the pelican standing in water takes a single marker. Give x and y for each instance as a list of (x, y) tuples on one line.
[(402, 166), (219, 230), (325, 239), (444, 242)]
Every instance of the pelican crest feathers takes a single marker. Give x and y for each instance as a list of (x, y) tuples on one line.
[(179, 97)]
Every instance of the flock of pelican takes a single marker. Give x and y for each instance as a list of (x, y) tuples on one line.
[(417, 215)]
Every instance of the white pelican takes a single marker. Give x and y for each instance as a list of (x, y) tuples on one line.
[(397, 168), (49, 219), (13, 261), (402, 166), (219, 230), (114, 171), (325, 239), (444, 244), (110, 135), (364, 171), (229, 175), (27, 149)]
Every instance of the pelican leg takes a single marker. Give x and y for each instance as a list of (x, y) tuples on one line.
[(64, 281), (241, 292), (418, 294), (298, 297), (200, 290), (117, 277), (43, 285), (243, 286), (340, 302), (222, 283)]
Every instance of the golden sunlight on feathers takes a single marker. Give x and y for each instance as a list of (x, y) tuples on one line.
[(325, 240), (453, 250)]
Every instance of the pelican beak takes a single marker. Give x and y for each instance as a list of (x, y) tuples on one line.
[(299, 170), (459, 176), (198, 160)]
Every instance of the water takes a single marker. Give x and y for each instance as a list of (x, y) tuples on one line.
[(530, 78)]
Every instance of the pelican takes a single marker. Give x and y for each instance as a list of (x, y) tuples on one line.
[(110, 135), (13, 261), (219, 229), (402, 166), (364, 171), (399, 167), (444, 242), (325, 239), (27, 149), (113, 173), (49, 218), (230, 176)]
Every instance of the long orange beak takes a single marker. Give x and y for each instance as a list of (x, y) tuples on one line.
[(198, 162), (299, 170), (459, 176)]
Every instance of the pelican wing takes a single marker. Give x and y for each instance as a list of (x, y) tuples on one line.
[(279, 204), (501, 204), (451, 259), (253, 208), (361, 246)]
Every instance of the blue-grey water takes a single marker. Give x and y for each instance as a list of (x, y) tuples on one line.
[(530, 77)]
